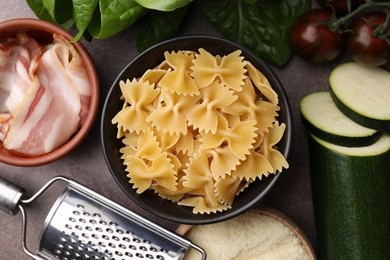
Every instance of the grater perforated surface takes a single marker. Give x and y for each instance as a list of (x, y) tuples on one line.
[(78, 227), (88, 236)]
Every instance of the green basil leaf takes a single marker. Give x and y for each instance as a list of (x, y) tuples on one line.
[(159, 26), (50, 7), (262, 27), (61, 11), (39, 9), (82, 13), (166, 5), (250, 1), (114, 16)]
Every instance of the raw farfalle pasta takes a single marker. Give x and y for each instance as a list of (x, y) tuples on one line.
[(205, 115), (238, 138), (169, 114), (178, 79), (254, 108), (137, 95), (230, 69), (198, 129), (147, 164)]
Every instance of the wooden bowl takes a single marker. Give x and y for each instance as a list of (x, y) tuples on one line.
[(270, 212)]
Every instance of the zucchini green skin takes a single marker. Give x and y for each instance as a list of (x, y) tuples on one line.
[(351, 199)]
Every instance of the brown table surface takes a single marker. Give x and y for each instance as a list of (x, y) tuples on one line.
[(291, 194)]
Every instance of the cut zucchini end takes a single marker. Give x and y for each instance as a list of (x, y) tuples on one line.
[(322, 118), (381, 146), (362, 93), (369, 122)]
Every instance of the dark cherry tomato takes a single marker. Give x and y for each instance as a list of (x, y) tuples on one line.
[(311, 38), (362, 45), (339, 6)]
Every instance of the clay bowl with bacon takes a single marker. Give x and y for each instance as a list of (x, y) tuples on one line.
[(49, 92), (196, 129)]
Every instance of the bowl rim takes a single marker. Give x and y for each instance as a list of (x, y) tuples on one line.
[(212, 217), (28, 24)]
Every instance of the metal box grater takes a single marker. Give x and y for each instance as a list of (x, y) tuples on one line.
[(83, 224)]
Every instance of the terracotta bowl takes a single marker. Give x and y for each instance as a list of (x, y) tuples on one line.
[(43, 31), (150, 201)]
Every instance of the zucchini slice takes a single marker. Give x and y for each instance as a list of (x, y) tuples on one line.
[(351, 198), (362, 93), (321, 117)]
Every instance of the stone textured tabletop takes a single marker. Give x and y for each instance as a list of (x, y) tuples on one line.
[(291, 195)]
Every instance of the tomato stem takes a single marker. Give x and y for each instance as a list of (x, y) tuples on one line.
[(382, 31), (336, 24)]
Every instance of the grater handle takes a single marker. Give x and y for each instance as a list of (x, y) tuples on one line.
[(11, 202), (10, 196)]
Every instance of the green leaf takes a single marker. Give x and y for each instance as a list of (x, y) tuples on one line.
[(61, 11), (114, 16), (166, 5), (250, 1), (82, 13), (50, 7), (39, 9), (159, 26), (262, 27)]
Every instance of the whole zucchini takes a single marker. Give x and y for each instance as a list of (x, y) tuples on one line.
[(351, 199)]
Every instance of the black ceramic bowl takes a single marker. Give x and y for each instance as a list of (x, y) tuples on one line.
[(149, 200)]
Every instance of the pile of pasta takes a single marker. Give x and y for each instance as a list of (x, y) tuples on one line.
[(198, 129)]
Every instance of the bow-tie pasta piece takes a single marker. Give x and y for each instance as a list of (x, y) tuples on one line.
[(169, 116), (268, 147), (186, 143), (238, 138), (262, 83), (252, 107), (138, 95), (222, 161), (198, 177), (227, 188), (179, 80), (254, 166), (230, 70), (166, 140), (143, 173), (153, 76), (204, 115)]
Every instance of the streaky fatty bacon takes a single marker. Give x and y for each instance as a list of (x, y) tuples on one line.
[(18, 61), (55, 103)]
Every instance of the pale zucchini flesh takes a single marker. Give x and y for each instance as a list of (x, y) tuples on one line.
[(362, 93), (322, 117)]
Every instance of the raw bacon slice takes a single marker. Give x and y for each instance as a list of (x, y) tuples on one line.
[(18, 62), (49, 114), (55, 105), (5, 118), (75, 69)]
